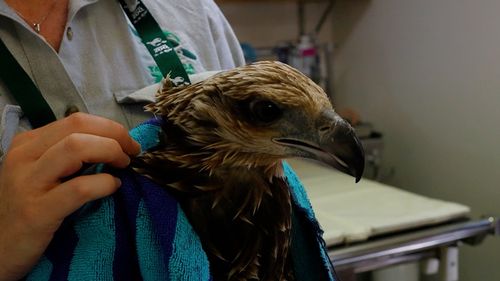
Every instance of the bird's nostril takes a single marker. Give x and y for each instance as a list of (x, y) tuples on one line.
[(325, 129)]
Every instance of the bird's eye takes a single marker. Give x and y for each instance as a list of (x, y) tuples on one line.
[(265, 111)]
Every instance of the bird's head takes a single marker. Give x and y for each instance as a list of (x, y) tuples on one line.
[(256, 115)]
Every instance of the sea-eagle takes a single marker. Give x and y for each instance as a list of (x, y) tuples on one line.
[(220, 153)]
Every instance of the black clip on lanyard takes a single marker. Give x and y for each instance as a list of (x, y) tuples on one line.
[(34, 105)]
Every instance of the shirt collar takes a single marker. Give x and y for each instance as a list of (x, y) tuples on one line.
[(75, 5), (73, 8), (7, 11)]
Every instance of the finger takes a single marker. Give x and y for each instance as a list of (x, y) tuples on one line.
[(67, 156), (71, 195), (37, 141), (22, 138)]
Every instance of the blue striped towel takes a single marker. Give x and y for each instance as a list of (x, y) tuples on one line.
[(141, 233)]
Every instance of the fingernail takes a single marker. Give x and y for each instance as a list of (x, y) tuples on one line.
[(118, 182)]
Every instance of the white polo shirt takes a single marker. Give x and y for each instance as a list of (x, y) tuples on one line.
[(101, 60)]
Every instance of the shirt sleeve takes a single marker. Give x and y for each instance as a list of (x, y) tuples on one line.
[(228, 48)]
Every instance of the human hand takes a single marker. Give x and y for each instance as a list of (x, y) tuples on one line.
[(34, 198)]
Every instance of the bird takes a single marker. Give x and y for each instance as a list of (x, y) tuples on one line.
[(220, 153)]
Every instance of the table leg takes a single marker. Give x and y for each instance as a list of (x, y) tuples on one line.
[(449, 264)]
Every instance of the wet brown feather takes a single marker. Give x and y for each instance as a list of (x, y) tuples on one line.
[(227, 180)]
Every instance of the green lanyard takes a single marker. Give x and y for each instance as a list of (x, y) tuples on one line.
[(25, 92), (156, 42), (34, 105)]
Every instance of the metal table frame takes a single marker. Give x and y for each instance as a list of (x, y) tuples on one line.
[(434, 242)]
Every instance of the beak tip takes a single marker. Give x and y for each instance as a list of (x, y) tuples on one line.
[(358, 173), (357, 166)]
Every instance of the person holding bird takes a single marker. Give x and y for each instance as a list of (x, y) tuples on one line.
[(200, 191), (82, 56)]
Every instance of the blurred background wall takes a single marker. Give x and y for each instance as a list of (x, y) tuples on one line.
[(427, 74)]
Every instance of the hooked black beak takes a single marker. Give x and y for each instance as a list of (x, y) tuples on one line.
[(344, 148), (333, 143)]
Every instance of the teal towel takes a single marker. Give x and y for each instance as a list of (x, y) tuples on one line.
[(141, 233)]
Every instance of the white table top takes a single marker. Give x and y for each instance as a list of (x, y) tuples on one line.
[(351, 212)]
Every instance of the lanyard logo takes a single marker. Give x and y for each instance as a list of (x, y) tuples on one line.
[(159, 46), (138, 14), (179, 80)]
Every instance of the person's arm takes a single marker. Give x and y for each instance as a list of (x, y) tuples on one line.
[(34, 200), (228, 47)]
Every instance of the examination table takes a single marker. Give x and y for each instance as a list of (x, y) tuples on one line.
[(369, 225)]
